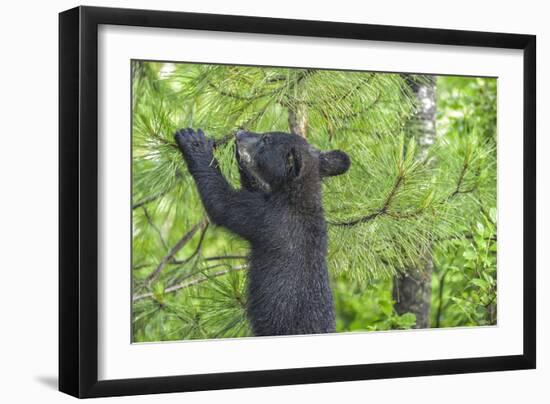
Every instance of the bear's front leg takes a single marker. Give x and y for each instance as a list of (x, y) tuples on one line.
[(238, 211), (198, 153)]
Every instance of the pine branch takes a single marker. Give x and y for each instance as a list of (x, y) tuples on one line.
[(239, 97), (352, 115), (213, 258), (174, 250), (460, 180), (226, 257), (193, 282), (385, 209), (164, 141), (149, 199), (223, 140), (362, 83), (197, 250), (157, 230), (381, 211), (256, 117), (467, 236), (180, 262), (193, 273), (140, 266)]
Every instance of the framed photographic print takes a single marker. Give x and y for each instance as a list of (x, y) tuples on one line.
[(251, 201)]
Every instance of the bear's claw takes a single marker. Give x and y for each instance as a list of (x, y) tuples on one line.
[(189, 139)]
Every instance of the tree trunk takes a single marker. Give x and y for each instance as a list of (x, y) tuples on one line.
[(297, 111), (412, 291), (297, 120)]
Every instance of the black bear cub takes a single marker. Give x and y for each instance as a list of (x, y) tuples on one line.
[(279, 211)]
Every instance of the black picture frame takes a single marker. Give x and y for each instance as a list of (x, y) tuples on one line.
[(78, 201)]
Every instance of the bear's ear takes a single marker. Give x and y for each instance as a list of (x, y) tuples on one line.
[(332, 163), (293, 163)]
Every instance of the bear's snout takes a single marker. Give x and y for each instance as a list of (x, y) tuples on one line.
[(246, 142), (245, 137)]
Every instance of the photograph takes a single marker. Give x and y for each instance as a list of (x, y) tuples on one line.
[(251, 201), (274, 201)]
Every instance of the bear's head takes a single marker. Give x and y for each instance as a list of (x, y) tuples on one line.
[(273, 160)]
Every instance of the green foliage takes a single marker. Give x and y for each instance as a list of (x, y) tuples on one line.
[(465, 282), (189, 277), (367, 309), (405, 203), (467, 106)]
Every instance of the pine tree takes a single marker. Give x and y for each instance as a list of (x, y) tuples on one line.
[(412, 289), (390, 208)]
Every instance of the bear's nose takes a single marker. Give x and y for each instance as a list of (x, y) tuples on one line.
[(240, 134), (245, 138)]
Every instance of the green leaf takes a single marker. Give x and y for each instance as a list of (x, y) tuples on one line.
[(493, 214), (480, 283), (470, 254), (480, 228), (407, 320)]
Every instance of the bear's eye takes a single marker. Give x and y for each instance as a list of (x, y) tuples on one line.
[(261, 146)]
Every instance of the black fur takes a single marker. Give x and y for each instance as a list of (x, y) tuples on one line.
[(279, 211)]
